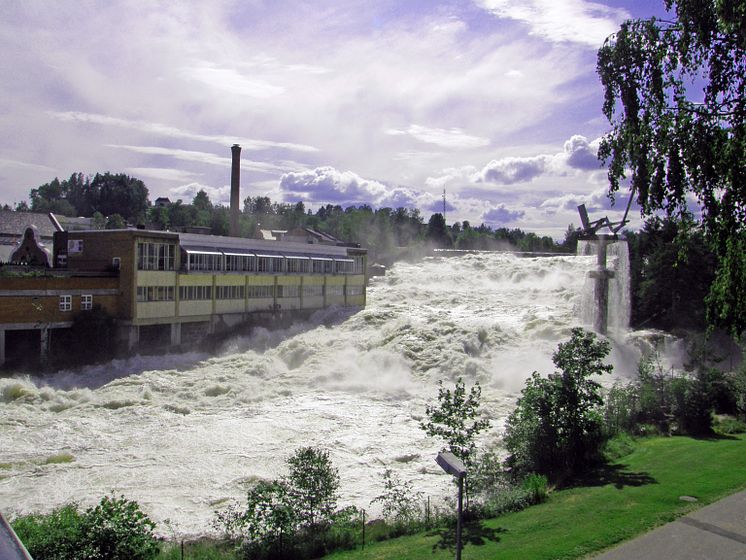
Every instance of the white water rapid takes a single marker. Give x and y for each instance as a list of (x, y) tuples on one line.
[(182, 434)]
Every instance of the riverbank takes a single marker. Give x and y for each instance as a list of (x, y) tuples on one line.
[(629, 497)]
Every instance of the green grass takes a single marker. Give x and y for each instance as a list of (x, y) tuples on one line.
[(634, 494)]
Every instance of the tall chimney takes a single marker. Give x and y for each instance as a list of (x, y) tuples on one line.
[(235, 189)]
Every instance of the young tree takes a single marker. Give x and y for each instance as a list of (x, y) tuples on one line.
[(456, 419), (556, 427), (312, 486), (679, 140)]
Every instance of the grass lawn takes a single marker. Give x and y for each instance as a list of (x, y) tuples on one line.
[(633, 495)]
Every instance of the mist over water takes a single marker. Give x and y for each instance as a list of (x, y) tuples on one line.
[(184, 433)]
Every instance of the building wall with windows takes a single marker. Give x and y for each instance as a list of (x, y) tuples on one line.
[(149, 278), (30, 302)]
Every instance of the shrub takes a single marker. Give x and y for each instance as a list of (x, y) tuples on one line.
[(53, 536), (116, 529), (400, 503), (536, 486), (556, 428)]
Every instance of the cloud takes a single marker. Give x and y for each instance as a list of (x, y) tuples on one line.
[(577, 155), (162, 173), (209, 158), (221, 195), (451, 138), (510, 170), (232, 81), (329, 185), (581, 154), (174, 132), (575, 21), (501, 215)]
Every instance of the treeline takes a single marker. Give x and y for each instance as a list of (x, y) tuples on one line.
[(114, 200)]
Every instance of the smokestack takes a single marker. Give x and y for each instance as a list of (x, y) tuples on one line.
[(235, 189)]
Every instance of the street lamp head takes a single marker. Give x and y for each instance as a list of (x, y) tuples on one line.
[(451, 464)]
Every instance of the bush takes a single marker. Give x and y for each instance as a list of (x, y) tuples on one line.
[(293, 517), (536, 486), (53, 536), (399, 502), (556, 428), (116, 529)]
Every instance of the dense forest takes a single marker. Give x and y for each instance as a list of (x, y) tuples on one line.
[(672, 268)]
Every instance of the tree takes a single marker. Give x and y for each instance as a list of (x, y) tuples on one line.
[(456, 419), (118, 194), (679, 142), (115, 221), (437, 231), (313, 485), (556, 427)]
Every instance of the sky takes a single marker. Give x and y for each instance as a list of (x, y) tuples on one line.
[(386, 103)]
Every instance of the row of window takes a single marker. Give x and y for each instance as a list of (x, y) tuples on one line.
[(161, 256), (155, 256), (269, 264), (197, 293), (155, 293), (86, 302)]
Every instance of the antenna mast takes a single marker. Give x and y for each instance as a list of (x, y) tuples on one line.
[(444, 205)]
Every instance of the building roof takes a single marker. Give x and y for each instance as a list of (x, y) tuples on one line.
[(13, 224), (199, 242)]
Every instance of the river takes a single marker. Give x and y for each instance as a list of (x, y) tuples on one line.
[(184, 433)]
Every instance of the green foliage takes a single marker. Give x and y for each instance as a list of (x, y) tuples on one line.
[(671, 272), (312, 487), (618, 446), (677, 143), (115, 221), (536, 486), (455, 419), (556, 427), (105, 193), (292, 517), (400, 502), (54, 536), (116, 529)]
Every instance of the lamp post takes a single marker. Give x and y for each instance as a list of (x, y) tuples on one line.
[(454, 466)]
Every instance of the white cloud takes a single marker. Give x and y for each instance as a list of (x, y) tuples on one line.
[(329, 185), (163, 173), (209, 158), (451, 138), (174, 132), (231, 81), (576, 21), (510, 170), (577, 155), (186, 193), (501, 215)]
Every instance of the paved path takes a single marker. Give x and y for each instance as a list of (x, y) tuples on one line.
[(717, 531)]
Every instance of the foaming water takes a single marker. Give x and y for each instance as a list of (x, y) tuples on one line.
[(184, 433)]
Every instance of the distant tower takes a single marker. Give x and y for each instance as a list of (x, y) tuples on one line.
[(444, 205)]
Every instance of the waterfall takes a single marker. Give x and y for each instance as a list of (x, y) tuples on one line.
[(617, 260)]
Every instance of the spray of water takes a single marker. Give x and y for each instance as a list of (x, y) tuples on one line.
[(183, 434)]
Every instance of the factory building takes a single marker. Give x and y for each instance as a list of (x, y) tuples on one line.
[(170, 288)]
